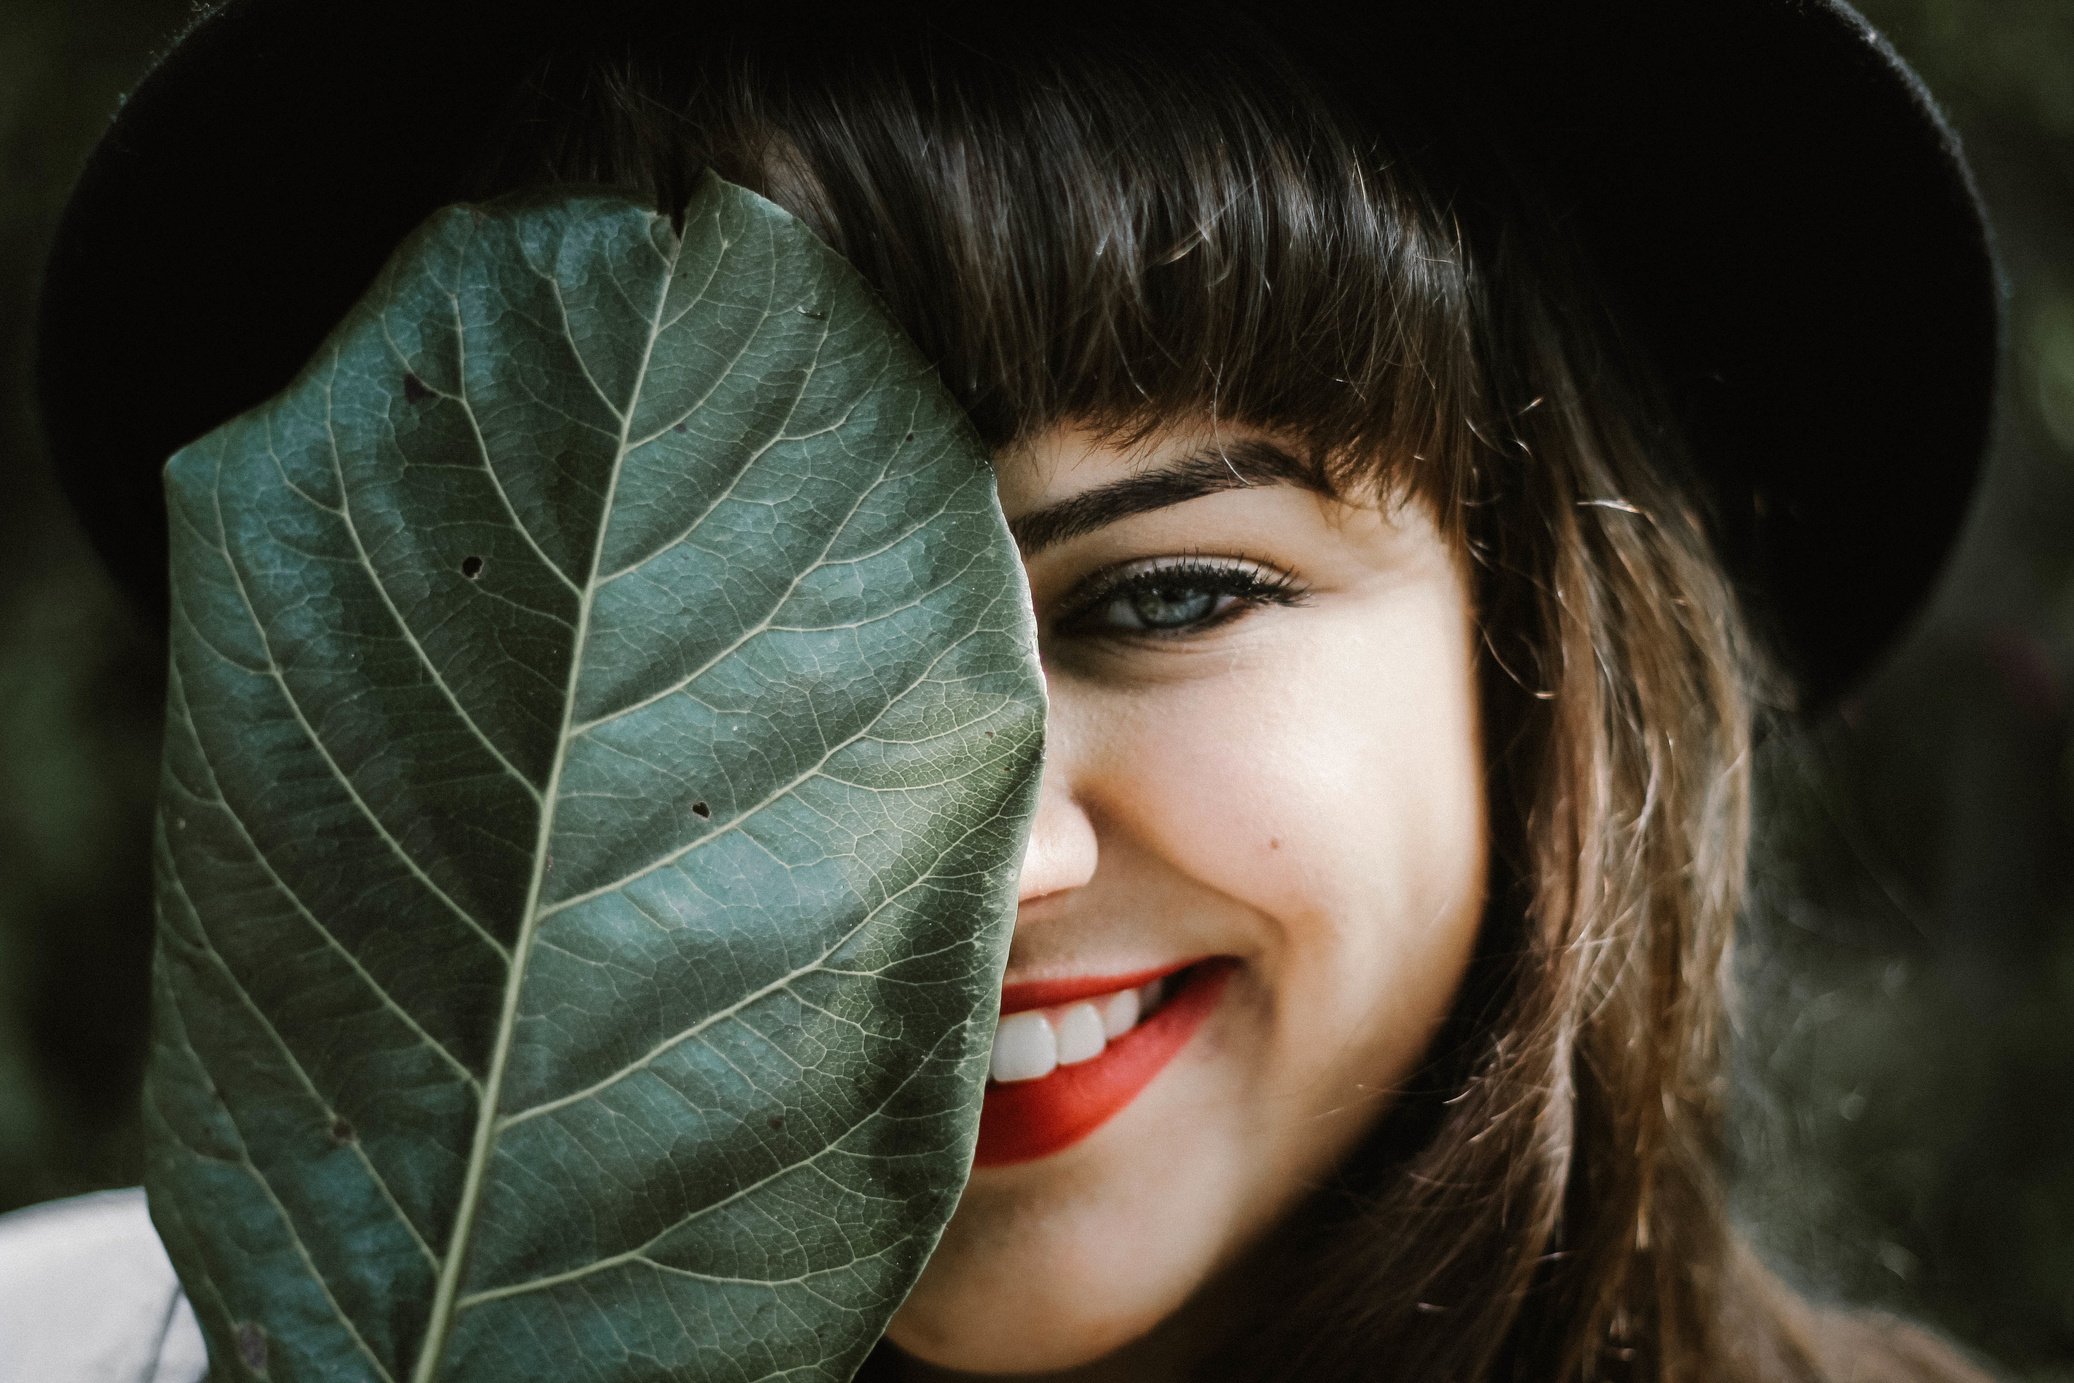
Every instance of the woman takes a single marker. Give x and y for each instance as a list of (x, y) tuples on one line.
[(1406, 422)]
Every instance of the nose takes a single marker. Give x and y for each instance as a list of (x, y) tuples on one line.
[(1061, 852)]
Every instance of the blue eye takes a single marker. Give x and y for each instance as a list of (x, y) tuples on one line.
[(1167, 606), (1176, 599)]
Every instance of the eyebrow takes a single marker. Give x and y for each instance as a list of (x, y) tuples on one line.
[(1236, 466)]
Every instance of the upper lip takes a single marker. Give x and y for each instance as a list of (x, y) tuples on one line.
[(1029, 994)]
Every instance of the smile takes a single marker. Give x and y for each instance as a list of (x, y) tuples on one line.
[(1070, 1054)]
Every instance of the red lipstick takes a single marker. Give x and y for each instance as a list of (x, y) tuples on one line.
[(1029, 994), (1024, 1120)]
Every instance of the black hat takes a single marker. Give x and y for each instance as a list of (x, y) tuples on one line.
[(1784, 218)]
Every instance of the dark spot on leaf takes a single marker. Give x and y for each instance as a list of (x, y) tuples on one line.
[(471, 567), (700, 809), (990, 734), (414, 389), (676, 427), (910, 436), (776, 1121), (341, 1131), (252, 1346)]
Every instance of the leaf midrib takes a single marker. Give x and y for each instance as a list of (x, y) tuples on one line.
[(439, 1322)]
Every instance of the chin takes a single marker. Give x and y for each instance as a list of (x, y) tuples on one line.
[(1018, 1328), (1057, 1263)]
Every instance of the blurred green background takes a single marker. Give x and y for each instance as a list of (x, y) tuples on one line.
[(1905, 1058)]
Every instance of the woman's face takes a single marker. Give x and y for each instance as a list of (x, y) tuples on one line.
[(1262, 781)]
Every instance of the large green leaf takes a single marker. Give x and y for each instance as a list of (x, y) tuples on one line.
[(603, 726)]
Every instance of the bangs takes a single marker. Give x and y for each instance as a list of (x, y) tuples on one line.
[(1146, 225)]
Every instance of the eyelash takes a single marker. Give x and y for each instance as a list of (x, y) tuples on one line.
[(1253, 586)]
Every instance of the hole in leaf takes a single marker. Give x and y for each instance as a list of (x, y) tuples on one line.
[(414, 389), (252, 1346), (700, 809), (341, 1131), (471, 567)]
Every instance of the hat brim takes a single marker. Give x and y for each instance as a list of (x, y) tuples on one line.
[(1784, 217)]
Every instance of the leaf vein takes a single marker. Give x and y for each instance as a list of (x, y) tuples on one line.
[(302, 1251), (208, 948), (482, 446), (811, 1161), (779, 985), (273, 670), (259, 857), (776, 795), (381, 589), (576, 351), (447, 1290), (741, 640)]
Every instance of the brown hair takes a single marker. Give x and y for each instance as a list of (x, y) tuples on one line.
[(1149, 221)]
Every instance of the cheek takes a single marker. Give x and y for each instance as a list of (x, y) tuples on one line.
[(1331, 784)]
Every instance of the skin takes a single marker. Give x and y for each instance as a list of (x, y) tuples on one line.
[(1298, 786)]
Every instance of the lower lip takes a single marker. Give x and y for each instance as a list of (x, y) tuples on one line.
[(1025, 1120)]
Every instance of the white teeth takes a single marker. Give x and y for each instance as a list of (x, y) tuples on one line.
[(1032, 1044), (1080, 1033), (1025, 1047), (1120, 1013)]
